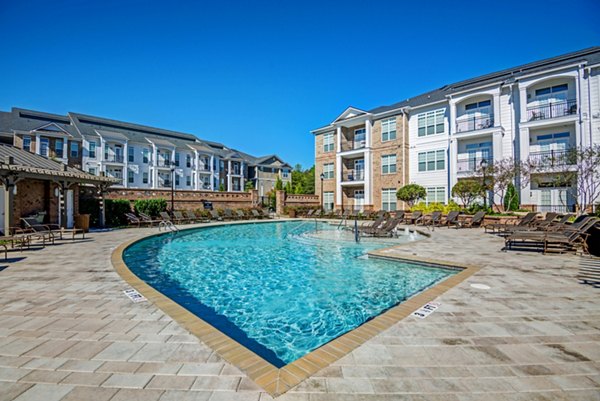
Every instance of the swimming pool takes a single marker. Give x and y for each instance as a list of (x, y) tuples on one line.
[(281, 289)]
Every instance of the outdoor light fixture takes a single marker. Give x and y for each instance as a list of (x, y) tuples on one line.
[(322, 200)]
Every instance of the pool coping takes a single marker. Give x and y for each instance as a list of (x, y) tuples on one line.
[(276, 381)]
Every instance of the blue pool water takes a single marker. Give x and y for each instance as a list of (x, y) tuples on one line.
[(281, 289)]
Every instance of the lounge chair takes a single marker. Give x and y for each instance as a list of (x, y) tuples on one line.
[(525, 221), (570, 238), (450, 219), (372, 226), (214, 215), (412, 218), (165, 217), (180, 218), (387, 229), (432, 219), (471, 221), (241, 215), (589, 271), (309, 213), (148, 220), (535, 225), (36, 231), (133, 220), (265, 214), (229, 215), (255, 214), (55, 229)]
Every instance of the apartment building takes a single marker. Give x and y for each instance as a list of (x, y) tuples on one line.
[(533, 112), (138, 156)]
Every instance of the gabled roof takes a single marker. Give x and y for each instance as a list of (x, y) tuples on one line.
[(350, 112), (23, 120), (33, 164)]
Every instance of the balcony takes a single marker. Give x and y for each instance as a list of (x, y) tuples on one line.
[(204, 168), (353, 175), (471, 165), (552, 110), (164, 163), (552, 158), (465, 124), (113, 158), (353, 145)]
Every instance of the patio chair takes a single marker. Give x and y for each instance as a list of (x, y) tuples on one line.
[(229, 215), (180, 218), (589, 271), (265, 214), (412, 218), (471, 221), (372, 226), (525, 221), (148, 220), (255, 214), (55, 229), (450, 219), (309, 213), (36, 231), (570, 238), (214, 215), (430, 219), (133, 220), (534, 225), (240, 214), (165, 217), (386, 230)]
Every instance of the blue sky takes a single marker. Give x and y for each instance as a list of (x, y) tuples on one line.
[(256, 75)]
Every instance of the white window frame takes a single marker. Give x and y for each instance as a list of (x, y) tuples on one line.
[(130, 177), (433, 119), (74, 149), (431, 156), (27, 139), (145, 155), (387, 133), (439, 194), (145, 179), (328, 171), (389, 201), (387, 166), (92, 149), (59, 145), (130, 154), (328, 142), (45, 141), (328, 203)]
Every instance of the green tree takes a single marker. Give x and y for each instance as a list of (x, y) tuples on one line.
[(411, 193), (467, 191), (278, 184), (511, 199), (221, 187), (249, 186), (288, 187)]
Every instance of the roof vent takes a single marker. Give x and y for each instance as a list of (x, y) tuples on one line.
[(9, 160), (64, 167)]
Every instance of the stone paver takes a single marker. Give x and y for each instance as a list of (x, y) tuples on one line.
[(67, 332)]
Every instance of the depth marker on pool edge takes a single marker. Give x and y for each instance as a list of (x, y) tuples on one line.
[(134, 295), (426, 310)]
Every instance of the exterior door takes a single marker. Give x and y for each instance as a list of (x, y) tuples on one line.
[(359, 199), (359, 170), (69, 206)]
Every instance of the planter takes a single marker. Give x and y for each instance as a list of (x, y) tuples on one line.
[(292, 213), (83, 221)]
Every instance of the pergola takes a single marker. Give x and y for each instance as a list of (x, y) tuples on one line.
[(18, 164)]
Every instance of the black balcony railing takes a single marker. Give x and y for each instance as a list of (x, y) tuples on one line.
[(464, 124), (556, 208), (472, 165), (353, 175), (552, 158), (204, 168), (112, 158), (552, 110), (164, 163)]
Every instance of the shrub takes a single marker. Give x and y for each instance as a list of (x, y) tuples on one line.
[(115, 210), (90, 206), (467, 191), (511, 199), (151, 207), (411, 193)]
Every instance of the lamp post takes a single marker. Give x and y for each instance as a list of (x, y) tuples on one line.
[(484, 165), (322, 200), (172, 189)]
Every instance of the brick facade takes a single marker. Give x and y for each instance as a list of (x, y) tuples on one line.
[(34, 196)]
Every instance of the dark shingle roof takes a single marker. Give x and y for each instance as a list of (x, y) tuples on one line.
[(28, 120), (590, 55)]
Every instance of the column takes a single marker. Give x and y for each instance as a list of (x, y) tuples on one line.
[(62, 205), (9, 196), (368, 129), (228, 175), (339, 139), (453, 164), (452, 122), (66, 151), (368, 179), (126, 163), (154, 165), (338, 181), (496, 108), (523, 103), (37, 144), (242, 178), (212, 172)]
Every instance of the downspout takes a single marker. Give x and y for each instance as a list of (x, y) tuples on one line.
[(580, 122), (589, 77)]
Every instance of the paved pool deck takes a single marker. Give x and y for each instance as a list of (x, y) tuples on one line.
[(67, 332)]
